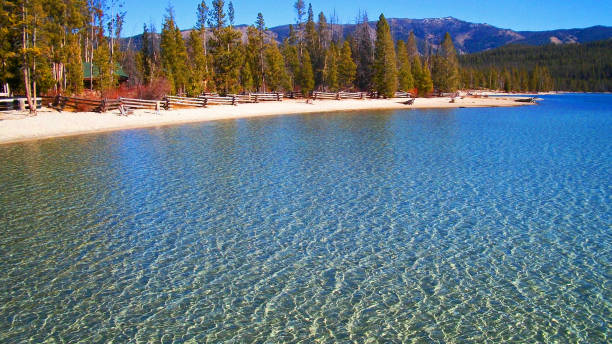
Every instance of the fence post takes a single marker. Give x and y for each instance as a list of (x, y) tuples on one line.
[(21, 104), (234, 100), (205, 102)]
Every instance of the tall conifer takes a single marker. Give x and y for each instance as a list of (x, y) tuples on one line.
[(347, 69), (385, 64), (406, 81)]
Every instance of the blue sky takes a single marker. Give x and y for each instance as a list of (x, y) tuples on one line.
[(517, 14)]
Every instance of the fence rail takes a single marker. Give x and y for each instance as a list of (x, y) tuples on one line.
[(133, 103), (17, 103), (338, 95), (230, 100), (401, 94), (354, 95), (176, 102)]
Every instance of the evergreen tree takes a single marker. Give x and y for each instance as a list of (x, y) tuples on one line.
[(261, 27), (275, 67), (292, 63), (426, 83), (300, 8), (202, 12), (254, 55), (8, 53), (74, 66), (411, 46), (246, 78), (363, 51), (347, 69), (174, 55), (330, 72), (385, 65), (311, 34), (406, 81), (230, 13), (306, 75), (446, 66), (106, 73), (198, 75), (225, 48)]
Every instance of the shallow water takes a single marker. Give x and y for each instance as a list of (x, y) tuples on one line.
[(466, 225)]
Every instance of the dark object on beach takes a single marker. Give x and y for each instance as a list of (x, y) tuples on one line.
[(409, 102), (526, 100)]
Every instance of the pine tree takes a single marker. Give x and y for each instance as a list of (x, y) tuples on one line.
[(246, 78), (202, 12), (231, 13), (347, 69), (225, 48), (311, 34), (253, 54), (275, 67), (363, 51), (411, 46), (74, 66), (182, 71), (169, 49), (385, 65), (8, 53), (146, 56), (261, 28), (198, 76), (406, 81), (446, 66), (426, 84), (292, 63), (330, 72), (106, 73), (306, 75)]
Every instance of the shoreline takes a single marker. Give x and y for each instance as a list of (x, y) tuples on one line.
[(17, 127)]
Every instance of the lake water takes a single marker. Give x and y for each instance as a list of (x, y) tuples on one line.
[(466, 225)]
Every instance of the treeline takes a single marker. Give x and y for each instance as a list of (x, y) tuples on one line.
[(216, 57), (569, 67), (44, 45)]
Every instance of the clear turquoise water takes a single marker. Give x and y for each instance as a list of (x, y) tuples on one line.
[(467, 225)]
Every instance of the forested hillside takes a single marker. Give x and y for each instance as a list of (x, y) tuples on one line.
[(570, 67)]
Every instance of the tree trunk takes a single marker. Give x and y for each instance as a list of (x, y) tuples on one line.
[(26, 68)]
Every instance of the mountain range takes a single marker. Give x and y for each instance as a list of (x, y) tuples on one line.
[(468, 37)]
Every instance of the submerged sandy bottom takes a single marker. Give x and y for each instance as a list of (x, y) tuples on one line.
[(50, 123)]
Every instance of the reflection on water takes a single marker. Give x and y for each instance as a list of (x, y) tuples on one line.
[(465, 225)]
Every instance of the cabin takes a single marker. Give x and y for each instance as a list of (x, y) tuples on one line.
[(89, 77)]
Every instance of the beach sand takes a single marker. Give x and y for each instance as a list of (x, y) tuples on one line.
[(15, 127)]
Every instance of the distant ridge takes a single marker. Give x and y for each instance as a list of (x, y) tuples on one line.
[(468, 37)]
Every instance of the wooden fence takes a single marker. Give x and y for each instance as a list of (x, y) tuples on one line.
[(354, 95), (338, 95), (294, 95), (132, 103), (174, 102), (401, 94), (19, 103)]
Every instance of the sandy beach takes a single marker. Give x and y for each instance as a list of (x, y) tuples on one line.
[(17, 127)]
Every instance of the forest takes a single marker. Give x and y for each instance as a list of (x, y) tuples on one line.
[(73, 47), (568, 67)]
